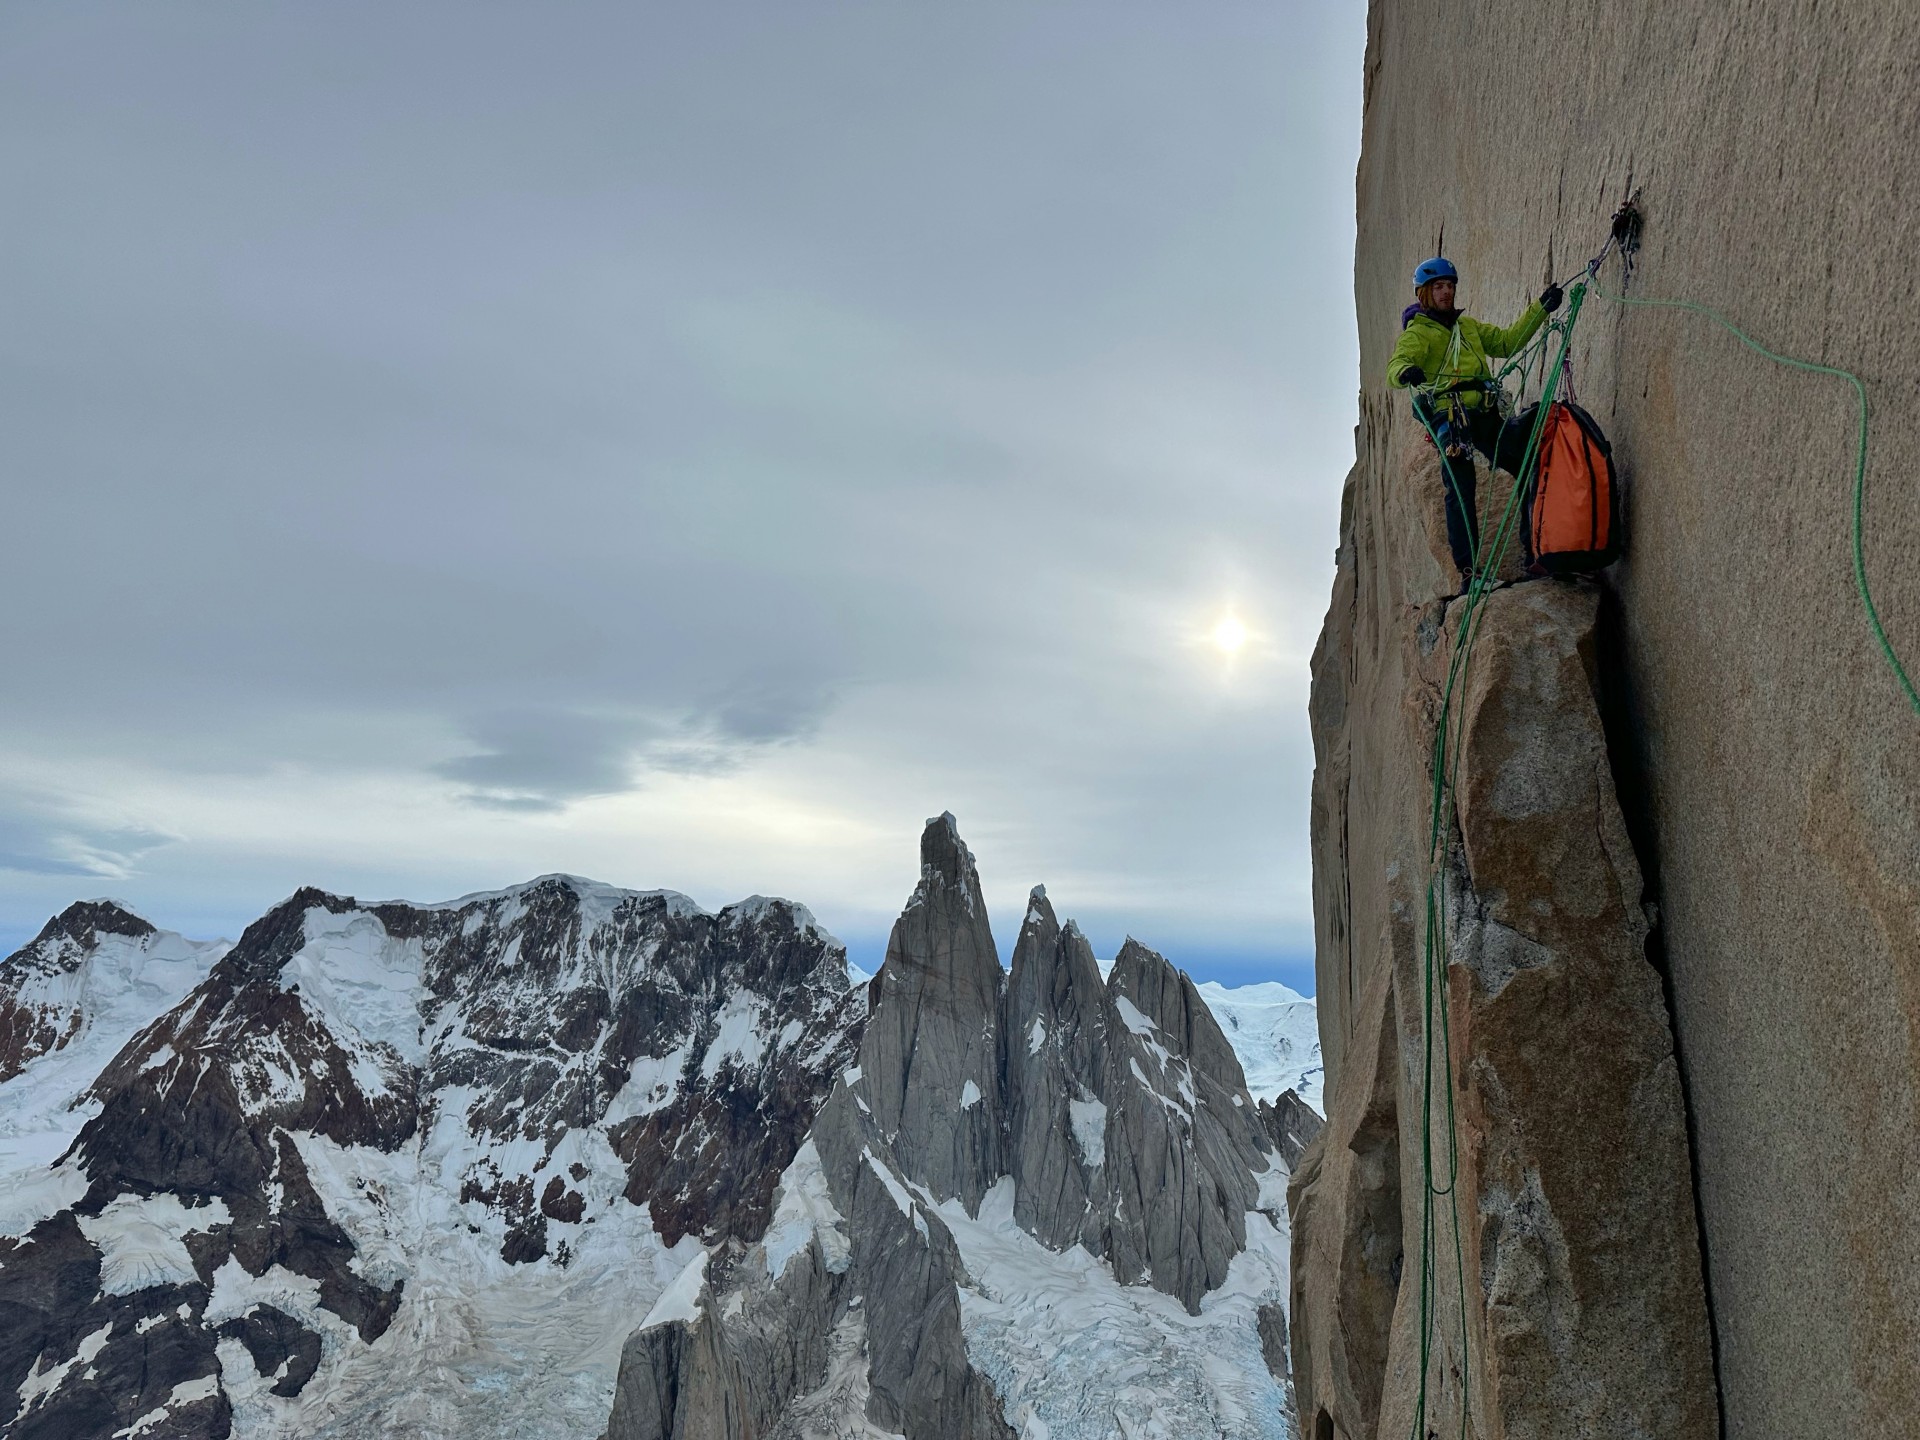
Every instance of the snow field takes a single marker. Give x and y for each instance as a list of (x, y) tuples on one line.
[(1075, 1355), (480, 1349), (142, 1241), (804, 1210), (679, 1303), (116, 992), (1276, 1034), (362, 983)]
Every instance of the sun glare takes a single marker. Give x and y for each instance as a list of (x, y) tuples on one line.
[(1229, 635)]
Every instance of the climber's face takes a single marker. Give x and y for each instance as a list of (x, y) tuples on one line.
[(1441, 292)]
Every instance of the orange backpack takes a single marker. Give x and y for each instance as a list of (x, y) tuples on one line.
[(1573, 514)]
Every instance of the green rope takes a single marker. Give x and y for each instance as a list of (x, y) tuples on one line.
[(1447, 744), (1445, 768), (1859, 473)]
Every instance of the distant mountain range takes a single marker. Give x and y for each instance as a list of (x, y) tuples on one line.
[(423, 1169)]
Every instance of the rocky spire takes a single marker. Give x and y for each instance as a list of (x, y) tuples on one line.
[(1108, 1115), (930, 1056), (1058, 1023)]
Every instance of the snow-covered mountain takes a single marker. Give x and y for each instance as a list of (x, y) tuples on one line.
[(1276, 1034), (92, 978), (414, 1169), (1041, 1204), (422, 1169)]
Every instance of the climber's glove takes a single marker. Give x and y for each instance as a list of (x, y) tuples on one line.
[(1550, 298), (1413, 375)]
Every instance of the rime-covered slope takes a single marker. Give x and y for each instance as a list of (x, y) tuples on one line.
[(414, 1169), (1040, 1203)]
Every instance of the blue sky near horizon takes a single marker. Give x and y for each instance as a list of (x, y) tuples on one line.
[(684, 446)]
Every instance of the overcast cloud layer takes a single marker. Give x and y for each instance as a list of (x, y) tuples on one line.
[(684, 445)]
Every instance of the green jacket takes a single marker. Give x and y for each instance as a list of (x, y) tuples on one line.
[(1460, 353)]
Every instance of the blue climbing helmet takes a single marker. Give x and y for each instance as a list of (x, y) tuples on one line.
[(1438, 268)]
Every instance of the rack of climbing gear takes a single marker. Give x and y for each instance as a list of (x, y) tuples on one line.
[(1441, 1173)]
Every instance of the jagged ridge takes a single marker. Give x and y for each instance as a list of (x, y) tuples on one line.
[(1049, 1108)]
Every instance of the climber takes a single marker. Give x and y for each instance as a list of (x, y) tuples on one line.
[(1442, 355)]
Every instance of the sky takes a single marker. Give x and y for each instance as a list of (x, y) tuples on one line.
[(683, 445)]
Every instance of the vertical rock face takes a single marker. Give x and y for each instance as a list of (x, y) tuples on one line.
[(1058, 1036), (1108, 1116), (1511, 1156), (1291, 1124), (1584, 1235), (1132, 1132), (1183, 1142), (929, 1057), (1769, 769)]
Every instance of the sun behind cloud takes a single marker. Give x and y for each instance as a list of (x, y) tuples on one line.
[(1229, 634)]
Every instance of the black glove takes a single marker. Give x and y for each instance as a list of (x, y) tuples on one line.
[(1550, 298), (1413, 375)]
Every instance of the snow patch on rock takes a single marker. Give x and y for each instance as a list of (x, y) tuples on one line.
[(679, 1303), (187, 1392), (741, 1037), (48, 1376), (142, 1240), (1089, 1120), (805, 1211), (652, 1083)]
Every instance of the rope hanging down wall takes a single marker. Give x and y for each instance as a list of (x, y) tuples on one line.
[(1487, 561)]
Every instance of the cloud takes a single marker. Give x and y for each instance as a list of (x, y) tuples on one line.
[(36, 840), (542, 760), (765, 433), (769, 711)]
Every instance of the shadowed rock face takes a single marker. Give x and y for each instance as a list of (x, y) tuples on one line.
[(1569, 1176), (1115, 1105), (1140, 1143), (501, 1026), (931, 1032), (1291, 1124), (1058, 1042)]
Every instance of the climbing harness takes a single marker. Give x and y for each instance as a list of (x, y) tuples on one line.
[(1435, 1005), (1440, 1176)]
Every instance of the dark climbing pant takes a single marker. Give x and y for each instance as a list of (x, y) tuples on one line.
[(1504, 443)]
